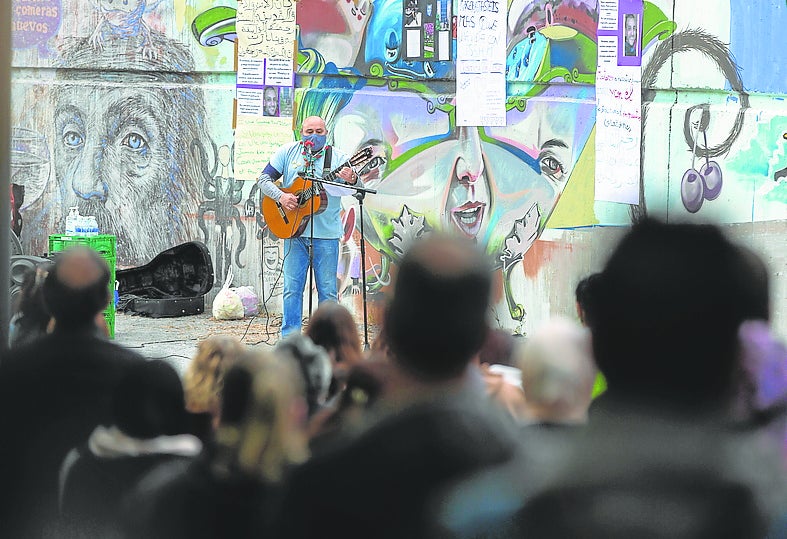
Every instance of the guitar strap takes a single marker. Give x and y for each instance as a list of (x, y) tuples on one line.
[(326, 163)]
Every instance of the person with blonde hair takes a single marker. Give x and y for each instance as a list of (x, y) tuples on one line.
[(233, 488), (203, 380), (271, 437)]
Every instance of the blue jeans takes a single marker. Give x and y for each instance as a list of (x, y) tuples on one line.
[(296, 264)]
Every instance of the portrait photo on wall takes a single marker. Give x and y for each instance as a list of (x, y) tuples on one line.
[(270, 101), (631, 34)]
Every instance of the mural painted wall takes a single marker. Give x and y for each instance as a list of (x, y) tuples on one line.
[(125, 112), (121, 110)]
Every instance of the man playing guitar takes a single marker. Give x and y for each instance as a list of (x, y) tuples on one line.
[(293, 162)]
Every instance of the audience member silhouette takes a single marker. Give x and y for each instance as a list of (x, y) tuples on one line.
[(148, 429), (660, 458), (314, 365), (434, 427), (503, 379), (31, 319), (585, 296), (586, 299), (55, 391), (364, 386), (557, 371), (762, 380), (232, 488), (332, 327)]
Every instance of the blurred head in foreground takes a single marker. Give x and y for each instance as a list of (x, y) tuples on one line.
[(436, 320)]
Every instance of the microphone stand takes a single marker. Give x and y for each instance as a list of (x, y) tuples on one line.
[(310, 270), (360, 194), (311, 253)]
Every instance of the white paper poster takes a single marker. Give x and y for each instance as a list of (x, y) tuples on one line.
[(264, 83), (481, 63), (618, 102), (266, 29)]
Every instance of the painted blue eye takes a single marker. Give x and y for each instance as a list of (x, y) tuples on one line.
[(135, 141), (72, 139)]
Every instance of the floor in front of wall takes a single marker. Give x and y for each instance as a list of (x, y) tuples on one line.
[(175, 339)]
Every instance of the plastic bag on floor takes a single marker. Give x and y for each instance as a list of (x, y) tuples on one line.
[(249, 299), (227, 304)]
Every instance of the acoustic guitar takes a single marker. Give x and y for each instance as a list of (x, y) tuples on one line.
[(312, 200)]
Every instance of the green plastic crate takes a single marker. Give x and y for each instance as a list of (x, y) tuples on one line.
[(109, 317), (105, 245)]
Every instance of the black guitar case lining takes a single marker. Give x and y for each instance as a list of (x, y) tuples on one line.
[(163, 307), (174, 283)]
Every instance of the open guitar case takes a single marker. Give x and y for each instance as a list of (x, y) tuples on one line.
[(173, 284)]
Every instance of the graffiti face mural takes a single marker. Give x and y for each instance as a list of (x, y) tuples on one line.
[(467, 197), (115, 152), (474, 181), (496, 186)]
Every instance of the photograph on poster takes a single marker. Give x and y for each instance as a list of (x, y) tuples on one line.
[(630, 34), (270, 101)]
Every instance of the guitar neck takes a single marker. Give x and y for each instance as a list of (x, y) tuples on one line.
[(331, 176)]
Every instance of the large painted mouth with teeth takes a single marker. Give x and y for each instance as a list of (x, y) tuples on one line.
[(468, 218)]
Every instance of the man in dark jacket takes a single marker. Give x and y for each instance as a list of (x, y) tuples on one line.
[(54, 392), (435, 426)]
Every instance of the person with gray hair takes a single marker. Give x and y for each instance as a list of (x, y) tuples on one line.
[(557, 373)]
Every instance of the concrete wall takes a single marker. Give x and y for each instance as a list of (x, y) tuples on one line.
[(127, 115)]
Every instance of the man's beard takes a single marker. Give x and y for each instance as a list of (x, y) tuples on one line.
[(138, 240)]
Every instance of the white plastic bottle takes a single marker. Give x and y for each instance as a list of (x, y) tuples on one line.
[(71, 221), (92, 226), (81, 225)]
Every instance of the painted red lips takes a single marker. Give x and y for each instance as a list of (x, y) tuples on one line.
[(468, 217)]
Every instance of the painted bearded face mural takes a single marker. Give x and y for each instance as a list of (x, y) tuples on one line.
[(116, 155)]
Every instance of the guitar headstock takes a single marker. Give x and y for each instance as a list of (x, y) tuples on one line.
[(361, 156)]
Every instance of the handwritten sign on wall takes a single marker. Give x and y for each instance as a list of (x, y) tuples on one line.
[(258, 137), (618, 106), (481, 62), (266, 37), (266, 29)]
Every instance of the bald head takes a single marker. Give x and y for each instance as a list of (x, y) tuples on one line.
[(79, 267), (436, 321), (313, 124), (77, 288)]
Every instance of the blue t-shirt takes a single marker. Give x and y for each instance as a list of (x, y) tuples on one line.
[(290, 161)]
